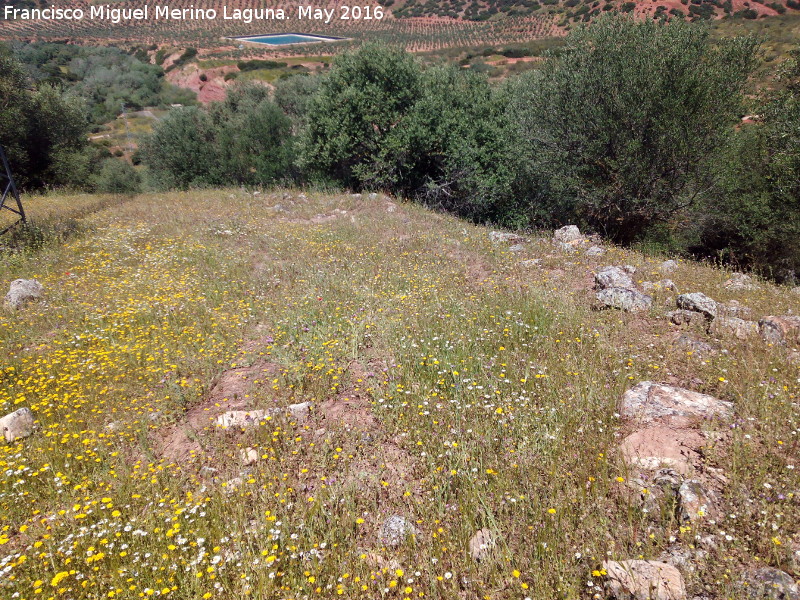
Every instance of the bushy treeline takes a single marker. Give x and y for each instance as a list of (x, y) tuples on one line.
[(44, 130), (633, 130), (105, 77)]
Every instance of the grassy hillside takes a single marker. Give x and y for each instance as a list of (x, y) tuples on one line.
[(451, 384)]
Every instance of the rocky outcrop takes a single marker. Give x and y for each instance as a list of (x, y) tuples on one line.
[(649, 402), (567, 234), (780, 330)]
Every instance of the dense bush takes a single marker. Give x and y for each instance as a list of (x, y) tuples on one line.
[(354, 133), (621, 130), (116, 177), (246, 139), (754, 219), (42, 130), (106, 78)]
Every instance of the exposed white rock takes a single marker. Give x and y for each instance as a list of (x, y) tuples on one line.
[(624, 299), (18, 424), (612, 277), (505, 237), (567, 234), (481, 544), (698, 302), (668, 266), (22, 291), (394, 531), (695, 502)]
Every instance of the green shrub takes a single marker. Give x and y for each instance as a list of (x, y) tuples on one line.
[(621, 131), (117, 177)]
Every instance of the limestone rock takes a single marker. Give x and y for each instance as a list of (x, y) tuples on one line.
[(22, 291), (644, 580), (481, 544), (394, 531), (517, 248), (18, 424), (300, 410), (668, 266), (734, 309), (740, 281), (737, 327), (660, 446), (624, 299), (780, 330), (567, 234), (242, 419), (694, 502), (629, 269), (612, 277), (690, 344), (648, 402), (698, 302), (770, 584), (595, 251), (686, 317), (505, 237), (248, 456)]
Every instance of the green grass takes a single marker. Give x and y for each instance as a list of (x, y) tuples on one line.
[(451, 386)]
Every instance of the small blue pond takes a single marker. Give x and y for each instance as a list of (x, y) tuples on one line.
[(284, 39)]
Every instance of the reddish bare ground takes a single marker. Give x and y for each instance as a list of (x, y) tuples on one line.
[(212, 90)]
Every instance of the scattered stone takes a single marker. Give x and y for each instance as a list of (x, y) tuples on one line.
[(242, 418), (694, 501), (612, 277), (248, 456), (22, 291), (18, 424), (740, 281), (648, 402), (770, 584), (391, 207), (517, 248), (504, 237), (567, 234), (644, 580), (624, 299), (482, 544), (739, 328), (208, 472), (692, 345), (668, 480), (734, 309), (668, 266), (682, 558), (531, 262), (686, 317), (698, 302), (629, 269), (595, 251), (249, 418), (796, 290), (299, 410), (394, 531), (780, 330), (655, 447)]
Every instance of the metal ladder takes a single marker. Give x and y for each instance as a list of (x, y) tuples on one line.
[(9, 189)]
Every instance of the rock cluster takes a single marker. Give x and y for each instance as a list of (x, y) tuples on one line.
[(18, 424), (616, 289)]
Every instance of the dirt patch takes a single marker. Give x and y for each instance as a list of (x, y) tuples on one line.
[(182, 441)]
